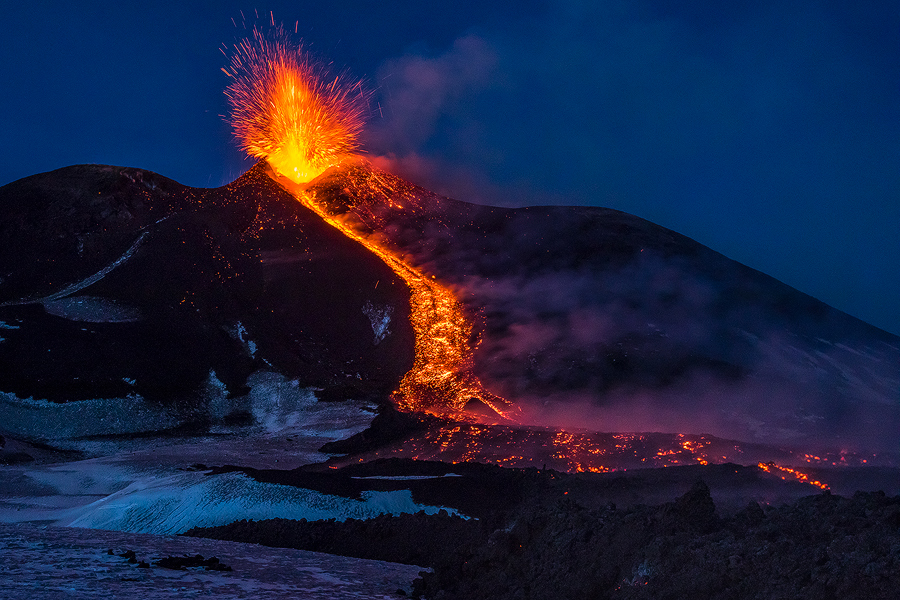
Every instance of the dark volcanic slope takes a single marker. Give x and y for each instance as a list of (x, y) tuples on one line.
[(118, 282), (591, 317)]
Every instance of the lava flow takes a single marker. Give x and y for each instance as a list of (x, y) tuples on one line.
[(288, 112), (771, 467)]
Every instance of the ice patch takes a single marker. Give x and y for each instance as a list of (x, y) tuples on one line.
[(380, 318), (174, 504), (92, 309)]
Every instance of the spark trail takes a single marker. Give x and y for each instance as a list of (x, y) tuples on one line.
[(289, 112)]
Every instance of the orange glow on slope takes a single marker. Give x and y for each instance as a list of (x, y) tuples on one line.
[(285, 112), (771, 467), (594, 452)]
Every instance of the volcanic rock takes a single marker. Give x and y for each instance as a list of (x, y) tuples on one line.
[(181, 563)]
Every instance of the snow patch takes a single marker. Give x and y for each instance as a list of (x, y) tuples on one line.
[(278, 403), (42, 420), (87, 281), (380, 318), (215, 384), (77, 287), (92, 309), (239, 332)]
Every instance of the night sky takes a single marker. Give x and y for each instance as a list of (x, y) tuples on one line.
[(767, 130)]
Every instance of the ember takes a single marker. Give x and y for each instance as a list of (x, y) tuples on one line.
[(594, 452)]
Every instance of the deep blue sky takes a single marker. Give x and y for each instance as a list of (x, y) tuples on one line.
[(767, 130)]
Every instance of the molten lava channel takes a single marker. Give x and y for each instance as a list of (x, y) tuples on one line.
[(441, 380), (289, 112)]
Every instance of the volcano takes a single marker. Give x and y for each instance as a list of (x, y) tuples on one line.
[(270, 328), (121, 288)]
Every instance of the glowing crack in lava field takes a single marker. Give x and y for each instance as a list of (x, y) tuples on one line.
[(288, 111)]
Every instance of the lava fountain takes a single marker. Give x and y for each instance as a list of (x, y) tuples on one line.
[(287, 110)]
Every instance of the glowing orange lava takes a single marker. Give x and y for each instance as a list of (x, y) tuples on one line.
[(771, 467), (285, 112), (285, 109), (441, 381)]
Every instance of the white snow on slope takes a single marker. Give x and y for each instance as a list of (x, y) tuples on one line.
[(149, 484), (87, 281), (92, 309), (278, 405), (239, 332), (380, 318), (42, 420), (177, 503)]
